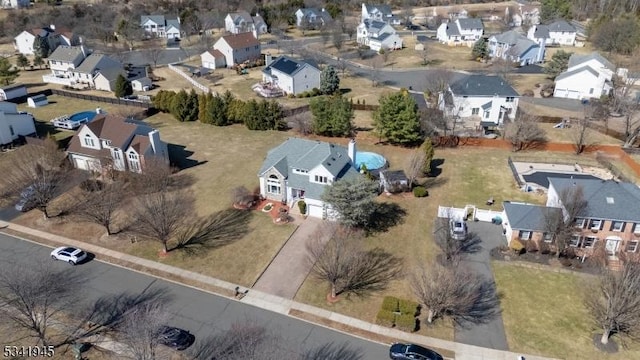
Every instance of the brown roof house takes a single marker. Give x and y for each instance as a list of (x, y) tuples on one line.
[(232, 49), (23, 43), (116, 143)]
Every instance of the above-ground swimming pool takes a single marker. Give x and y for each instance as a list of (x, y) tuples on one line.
[(371, 160), (89, 115)]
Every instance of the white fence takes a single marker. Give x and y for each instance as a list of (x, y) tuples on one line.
[(469, 211), (58, 80), (189, 79)]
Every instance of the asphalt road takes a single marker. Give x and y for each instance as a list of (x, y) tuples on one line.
[(199, 312)]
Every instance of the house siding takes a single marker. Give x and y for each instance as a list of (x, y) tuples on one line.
[(23, 43), (281, 181), (463, 107)]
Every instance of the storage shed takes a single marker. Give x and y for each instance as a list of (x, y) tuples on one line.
[(37, 101), (12, 92)]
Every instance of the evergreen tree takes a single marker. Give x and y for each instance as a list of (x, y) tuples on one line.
[(397, 119), (251, 114), (41, 47), (123, 87), (203, 100), (22, 61), (429, 152), (354, 199), (163, 100), (332, 116), (329, 81), (236, 111), (480, 49), (191, 113), (217, 111), (7, 73), (559, 63), (179, 105)]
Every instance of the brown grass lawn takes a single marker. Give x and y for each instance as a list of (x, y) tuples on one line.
[(568, 135), (524, 82), (543, 314)]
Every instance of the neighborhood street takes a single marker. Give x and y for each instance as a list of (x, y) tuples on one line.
[(199, 312)]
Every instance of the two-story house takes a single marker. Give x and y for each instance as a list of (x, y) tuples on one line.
[(242, 21), (557, 33), (489, 99), (587, 76), (378, 35), (64, 60), (611, 216), (14, 123), (291, 76), (464, 31), (115, 143), (312, 18), (24, 42), (160, 26), (301, 169), (379, 12), (98, 66), (515, 47), (230, 50)]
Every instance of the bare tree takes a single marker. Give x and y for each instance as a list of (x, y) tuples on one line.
[(349, 268), (453, 249), (157, 176), (559, 223), (216, 230), (436, 83), (503, 68), (302, 123), (99, 206), (580, 135), (241, 196), (332, 351), (376, 64), (524, 132), (614, 302), (337, 39), (161, 215), (349, 28), (36, 172), (622, 102), (140, 330), (153, 52), (36, 298), (416, 165), (454, 292)]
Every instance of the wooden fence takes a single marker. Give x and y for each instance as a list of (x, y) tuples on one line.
[(110, 100)]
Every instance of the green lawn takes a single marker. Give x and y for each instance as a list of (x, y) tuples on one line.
[(544, 315)]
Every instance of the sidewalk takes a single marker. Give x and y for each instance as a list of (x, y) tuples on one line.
[(260, 299)]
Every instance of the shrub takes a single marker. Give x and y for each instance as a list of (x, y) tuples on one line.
[(91, 185), (406, 322), (530, 246), (315, 92), (569, 253), (385, 318), (391, 303), (565, 262), (517, 246), (303, 207), (528, 93), (420, 191)]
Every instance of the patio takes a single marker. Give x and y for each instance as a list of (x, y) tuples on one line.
[(268, 90)]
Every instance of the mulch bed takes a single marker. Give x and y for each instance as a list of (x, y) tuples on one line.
[(547, 259)]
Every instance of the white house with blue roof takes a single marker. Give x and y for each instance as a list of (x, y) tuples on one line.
[(515, 47), (291, 76), (379, 12), (312, 18), (559, 32), (378, 35), (301, 169), (488, 98), (161, 26), (463, 31)]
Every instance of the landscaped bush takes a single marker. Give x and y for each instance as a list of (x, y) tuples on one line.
[(406, 322), (544, 248), (420, 191), (517, 246), (565, 262), (385, 318), (530, 246), (91, 185), (303, 207), (391, 303), (528, 93)]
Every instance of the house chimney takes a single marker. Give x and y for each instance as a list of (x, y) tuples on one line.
[(268, 59), (98, 111), (254, 32), (156, 143), (84, 52), (52, 27), (351, 151)]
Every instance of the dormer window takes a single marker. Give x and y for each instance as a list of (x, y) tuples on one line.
[(88, 141), (133, 156)]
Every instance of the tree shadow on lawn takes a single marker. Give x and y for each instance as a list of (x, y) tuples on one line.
[(385, 216), (435, 167), (179, 157)]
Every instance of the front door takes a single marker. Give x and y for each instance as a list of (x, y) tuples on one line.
[(612, 246)]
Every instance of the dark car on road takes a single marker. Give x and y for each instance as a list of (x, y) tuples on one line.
[(176, 338), (412, 352)]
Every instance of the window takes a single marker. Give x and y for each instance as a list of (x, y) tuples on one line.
[(580, 223), (589, 241), (525, 235), (134, 166), (273, 185), (510, 99), (475, 111), (116, 155), (591, 91), (321, 179), (133, 156), (486, 114), (300, 171), (89, 141), (575, 240), (636, 229), (617, 226), (547, 237), (632, 246), (595, 224), (11, 130)]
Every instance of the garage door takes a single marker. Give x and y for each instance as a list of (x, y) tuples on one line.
[(573, 94), (315, 210)]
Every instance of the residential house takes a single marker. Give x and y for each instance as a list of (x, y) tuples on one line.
[(115, 143), (301, 169), (23, 43), (379, 12), (559, 32), (611, 217), (141, 84), (230, 50), (291, 76), (74, 65), (14, 123), (13, 92), (312, 18), (460, 32), (515, 47), (490, 99), (64, 60), (160, 26), (242, 21), (378, 35), (587, 76), (15, 4)]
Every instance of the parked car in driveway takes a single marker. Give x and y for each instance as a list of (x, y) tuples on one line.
[(69, 254), (458, 229), (412, 352), (176, 338)]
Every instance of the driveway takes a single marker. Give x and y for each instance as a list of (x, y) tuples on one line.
[(491, 334)]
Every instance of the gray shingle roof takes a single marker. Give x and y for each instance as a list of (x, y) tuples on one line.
[(240, 16), (561, 26), (66, 53), (528, 217), (470, 23), (382, 8), (482, 85), (452, 29), (577, 59), (607, 199), (521, 46), (158, 19), (541, 32), (374, 26), (509, 37), (567, 74), (95, 62), (319, 14)]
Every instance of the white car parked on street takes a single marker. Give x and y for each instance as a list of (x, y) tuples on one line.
[(69, 254)]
